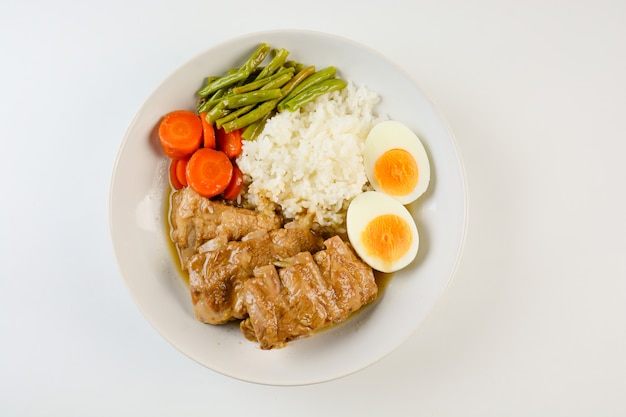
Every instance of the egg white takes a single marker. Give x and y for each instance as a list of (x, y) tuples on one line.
[(362, 210), (391, 134)]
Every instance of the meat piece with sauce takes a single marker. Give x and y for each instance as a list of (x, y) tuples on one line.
[(217, 277), (351, 279), (306, 293), (196, 220)]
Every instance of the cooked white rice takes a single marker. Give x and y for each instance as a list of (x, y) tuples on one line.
[(311, 161)]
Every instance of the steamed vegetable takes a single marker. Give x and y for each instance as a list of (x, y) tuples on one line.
[(311, 93), (209, 172), (236, 184), (230, 143), (181, 171), (176, 184), (180, 133), (308, 82), (208, 133)]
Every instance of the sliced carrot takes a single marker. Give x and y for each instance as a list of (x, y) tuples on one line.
[(208, 133), (174, 176), (180, 133), (236, 184), (209, 172), (181, 171), (230, 143)]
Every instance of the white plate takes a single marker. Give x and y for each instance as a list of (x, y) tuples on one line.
[(138, 223)]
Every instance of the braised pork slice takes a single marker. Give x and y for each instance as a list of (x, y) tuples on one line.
[(306, 293), (196, 220), (267, 301), (217, 277), (352, 280)]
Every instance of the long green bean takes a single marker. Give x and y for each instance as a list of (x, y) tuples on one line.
[(218, 111), (293, 64), (317, 77), (250, 132), (251, 117), (254, 129), (208, 104), (297, 79), (256, 58), (252, 97), (233, 115), (275, 63), (278, 82), (313, 92), (222, 82)]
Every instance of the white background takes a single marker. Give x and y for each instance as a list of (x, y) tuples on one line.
[(534, 322)]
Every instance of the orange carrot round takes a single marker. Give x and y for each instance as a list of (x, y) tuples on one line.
[(181, 171), (180, 133), (208, 133), (176, 184), (236, 184), (209, 172), (230, 143)]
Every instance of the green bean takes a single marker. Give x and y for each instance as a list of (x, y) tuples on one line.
[(297, 79), (218, 111), (293, 64), (252, 97), (313, 79), (250, 130), (313, 92), (233, 115), (275, 63), (222, 82), (278, 82), (251, 117), (210, 79), (256, 58), (253, 130), (255, 85), (202, 104), (253, 75), (207, 105)]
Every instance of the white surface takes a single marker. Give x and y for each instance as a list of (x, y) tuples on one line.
[(534, 322), (138, 231)]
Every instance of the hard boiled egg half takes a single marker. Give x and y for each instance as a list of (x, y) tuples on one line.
[(382, 231), (396, 162)]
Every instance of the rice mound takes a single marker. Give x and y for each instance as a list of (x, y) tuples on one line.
[(310, 161)]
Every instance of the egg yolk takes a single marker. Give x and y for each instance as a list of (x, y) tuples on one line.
[(396, 172), (387, 237)]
